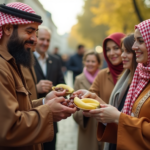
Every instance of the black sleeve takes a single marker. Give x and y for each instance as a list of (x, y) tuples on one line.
[(60, 78)]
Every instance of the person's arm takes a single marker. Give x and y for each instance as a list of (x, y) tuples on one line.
[(37, 102), (133, 131), (106, 114), (18, 128), (21, 127)]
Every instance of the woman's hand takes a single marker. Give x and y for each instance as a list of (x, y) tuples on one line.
[(105, 114), (87, 94)]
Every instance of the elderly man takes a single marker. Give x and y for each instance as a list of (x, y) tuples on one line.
[(48, 72), (24, 124)]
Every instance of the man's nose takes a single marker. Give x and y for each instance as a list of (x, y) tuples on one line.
[(34, 37)]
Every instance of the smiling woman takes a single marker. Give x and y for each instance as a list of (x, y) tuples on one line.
[(113, 52), (86, 136), (140, 48)]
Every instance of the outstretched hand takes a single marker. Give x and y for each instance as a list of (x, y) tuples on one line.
[(88, 94), (105, 114), (58, 110), (53, 94)]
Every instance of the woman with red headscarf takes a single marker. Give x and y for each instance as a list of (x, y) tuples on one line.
[(130, 129), (107, 78)]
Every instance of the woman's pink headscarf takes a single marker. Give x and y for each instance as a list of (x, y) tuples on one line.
[(142, 73), (114, 70)]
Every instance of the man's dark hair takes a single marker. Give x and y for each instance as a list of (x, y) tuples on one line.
[(80, 46)]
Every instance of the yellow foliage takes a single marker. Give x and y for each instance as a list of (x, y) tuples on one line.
[(103, 17), (119, 15)]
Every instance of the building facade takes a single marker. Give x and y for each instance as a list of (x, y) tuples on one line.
[(57, 40)]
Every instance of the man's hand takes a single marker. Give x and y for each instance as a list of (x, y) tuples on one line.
[(53, 94), (44, 86), (58, 110)]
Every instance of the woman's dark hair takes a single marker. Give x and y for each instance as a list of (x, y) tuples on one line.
[(128, 42), (97, 55)]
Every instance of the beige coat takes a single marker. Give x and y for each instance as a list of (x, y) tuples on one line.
[(87, 126), (103, 85), (132, 133), (24, 124)]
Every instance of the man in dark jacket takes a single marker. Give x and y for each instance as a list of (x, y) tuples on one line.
[(75, 62), (48, 72)]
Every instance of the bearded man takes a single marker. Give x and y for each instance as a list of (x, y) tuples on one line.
[(24, 124)]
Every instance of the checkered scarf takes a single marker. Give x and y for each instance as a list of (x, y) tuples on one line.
[(142, 73), (10, 19)]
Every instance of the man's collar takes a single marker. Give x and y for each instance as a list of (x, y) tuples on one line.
[(38, 56), (5, 54)]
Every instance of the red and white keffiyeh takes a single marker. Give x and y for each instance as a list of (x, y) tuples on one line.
[(10, 19), (142, 73)]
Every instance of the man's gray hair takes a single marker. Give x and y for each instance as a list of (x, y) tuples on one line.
[(46, 28)]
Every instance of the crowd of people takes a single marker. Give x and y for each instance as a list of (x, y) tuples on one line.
[(30, 110)]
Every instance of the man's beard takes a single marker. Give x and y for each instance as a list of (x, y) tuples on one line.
[(16, 49)]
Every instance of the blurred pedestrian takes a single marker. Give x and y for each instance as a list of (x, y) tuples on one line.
[(63, 62), (48, 72), (87, 126), (56, 53), (75, 62), (24, 124)]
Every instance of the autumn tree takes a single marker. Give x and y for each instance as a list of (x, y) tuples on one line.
[(103, 17), (120, 15), (85, 30)]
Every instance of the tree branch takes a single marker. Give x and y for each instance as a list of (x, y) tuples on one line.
[(137, 11)]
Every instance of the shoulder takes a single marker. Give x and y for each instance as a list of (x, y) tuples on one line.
[(73, 56), (80, 77), (5, 68), (53, 57), (4, 65), (104, 72)]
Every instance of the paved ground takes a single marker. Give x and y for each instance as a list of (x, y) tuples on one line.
[(68, 129)]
